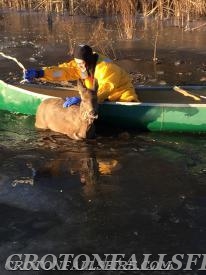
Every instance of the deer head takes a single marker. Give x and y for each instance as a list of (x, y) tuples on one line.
[(89, 105)]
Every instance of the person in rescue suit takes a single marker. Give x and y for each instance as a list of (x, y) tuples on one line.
[(114, 83)]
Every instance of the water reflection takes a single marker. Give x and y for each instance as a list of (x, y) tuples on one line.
[(67, 167), (50, 22), (54, 169)]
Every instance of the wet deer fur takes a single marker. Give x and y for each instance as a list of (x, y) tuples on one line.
[(76, 121)]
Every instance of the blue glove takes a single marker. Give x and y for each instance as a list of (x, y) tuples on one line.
[(71, 101), (30, 74)]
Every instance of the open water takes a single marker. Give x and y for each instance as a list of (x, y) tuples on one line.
[(124, 192)]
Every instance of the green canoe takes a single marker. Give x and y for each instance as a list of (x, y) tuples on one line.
[(161, 108)]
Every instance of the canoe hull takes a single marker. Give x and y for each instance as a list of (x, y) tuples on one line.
[(155, 117), (168, 117), (14, 99)]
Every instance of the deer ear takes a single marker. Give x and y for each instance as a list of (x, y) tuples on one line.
[(80, 86), (96, 85)]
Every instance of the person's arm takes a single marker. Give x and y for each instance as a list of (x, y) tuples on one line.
[(63, 72)]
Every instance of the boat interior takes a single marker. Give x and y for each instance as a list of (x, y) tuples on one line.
[(146, 94)]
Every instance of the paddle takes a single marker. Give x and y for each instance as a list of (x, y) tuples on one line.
[(186, 93)]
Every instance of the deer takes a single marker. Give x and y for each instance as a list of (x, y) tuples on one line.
[(76, 121)]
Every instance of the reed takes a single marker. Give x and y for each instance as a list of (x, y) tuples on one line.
[(102, 40), (181, 10), (126, 18)]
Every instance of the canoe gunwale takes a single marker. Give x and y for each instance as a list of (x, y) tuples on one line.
[(24, 91), (156, 104)]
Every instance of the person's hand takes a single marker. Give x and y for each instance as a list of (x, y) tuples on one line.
[(30, 74), (71, 101)]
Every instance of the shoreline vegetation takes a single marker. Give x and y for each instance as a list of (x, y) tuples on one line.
[(183, 10), (128, 17)]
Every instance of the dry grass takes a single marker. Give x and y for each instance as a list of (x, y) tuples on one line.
[(162, 8), (126, 18)]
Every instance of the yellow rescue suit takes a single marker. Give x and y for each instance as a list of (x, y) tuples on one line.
[(114, 83)]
